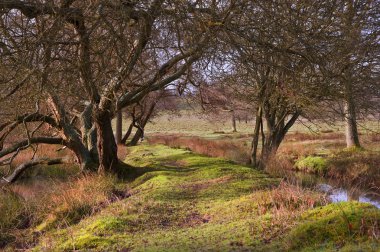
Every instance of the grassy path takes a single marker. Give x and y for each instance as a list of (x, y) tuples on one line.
[(186, 202)]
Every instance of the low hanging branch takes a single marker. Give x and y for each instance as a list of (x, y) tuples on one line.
[(23, 167), (34, 140)]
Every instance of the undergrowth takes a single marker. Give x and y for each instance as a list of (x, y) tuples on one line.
[(32, 208)]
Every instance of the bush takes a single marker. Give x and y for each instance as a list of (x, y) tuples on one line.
[(312, 164)]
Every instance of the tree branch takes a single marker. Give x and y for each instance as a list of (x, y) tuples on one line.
[(23, 167)]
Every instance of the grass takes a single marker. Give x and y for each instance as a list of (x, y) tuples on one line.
[(322, 154), (196, 123), (347, 226), (360, 167), (182, 201), (30, 208)]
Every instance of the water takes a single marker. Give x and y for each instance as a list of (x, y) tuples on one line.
[(335, 191), (340, 194)]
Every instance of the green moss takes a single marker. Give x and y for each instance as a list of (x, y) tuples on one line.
[(88, 241), (312, 164), (335, 226)]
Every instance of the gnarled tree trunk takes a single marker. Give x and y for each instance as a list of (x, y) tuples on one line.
[(272, 137), (107, 148)]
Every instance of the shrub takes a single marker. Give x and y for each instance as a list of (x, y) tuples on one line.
[(312, 164)]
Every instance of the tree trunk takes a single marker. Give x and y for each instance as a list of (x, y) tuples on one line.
[(270, 148), (352, 135), (72, 137), (138, 135), (85, 159), (233, 121), (107, 148), (140, 131), (119, 126), (255, 140), (128, 133), (271, 140)]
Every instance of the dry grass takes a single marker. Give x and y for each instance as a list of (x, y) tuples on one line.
[(43, 205), (307, 136), (356, 167), (285, 204), (42, 151), (213, 148)]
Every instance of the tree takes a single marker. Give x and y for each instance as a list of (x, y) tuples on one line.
[(144, 111), (275, 54), (353, 57), (87, 59), (220, 97)]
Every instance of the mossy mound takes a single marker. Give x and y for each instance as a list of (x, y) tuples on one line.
[(313, 164), (348, 226)]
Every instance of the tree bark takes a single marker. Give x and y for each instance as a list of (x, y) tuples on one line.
[(255, 140), (138, 135), (107, 148), (352, 135), (119, 127), (128, 133)]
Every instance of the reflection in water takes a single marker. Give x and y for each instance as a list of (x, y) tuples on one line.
[(368, 200), (333, 189), (340, 194)]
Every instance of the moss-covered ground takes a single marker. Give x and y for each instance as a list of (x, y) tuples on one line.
[(181, 201)]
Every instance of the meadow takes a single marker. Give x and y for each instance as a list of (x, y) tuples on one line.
[(188, 187)]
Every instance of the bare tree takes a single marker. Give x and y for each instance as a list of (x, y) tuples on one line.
[(87, 59), (143, 112), (275, 55), (353, 57), (222, 97)]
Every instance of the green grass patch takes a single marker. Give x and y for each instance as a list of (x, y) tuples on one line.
[(348, 226)]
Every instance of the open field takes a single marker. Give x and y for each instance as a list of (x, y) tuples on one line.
[(196, 123)]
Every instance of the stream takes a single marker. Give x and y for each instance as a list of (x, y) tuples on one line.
[(335, 191)]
